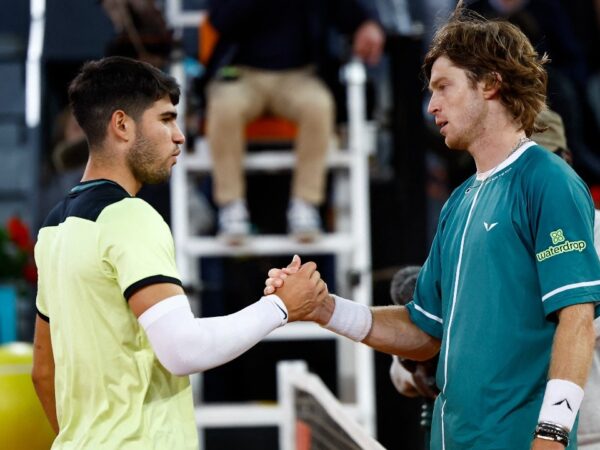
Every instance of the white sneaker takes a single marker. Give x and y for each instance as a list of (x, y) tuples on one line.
[(304, 222), (234, 223)]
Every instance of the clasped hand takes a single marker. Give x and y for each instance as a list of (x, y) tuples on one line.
[(300, 287)]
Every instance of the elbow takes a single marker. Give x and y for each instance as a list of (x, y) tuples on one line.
[(182, 368), (427, 350), (176, 364), (179, 371), (41, 377), (182, 356)]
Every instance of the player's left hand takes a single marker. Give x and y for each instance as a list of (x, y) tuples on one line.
[(277, 276)]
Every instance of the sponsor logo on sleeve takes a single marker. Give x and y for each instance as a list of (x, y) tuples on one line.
[(560, 244)]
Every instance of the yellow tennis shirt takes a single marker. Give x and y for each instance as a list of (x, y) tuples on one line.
[(96, 248)]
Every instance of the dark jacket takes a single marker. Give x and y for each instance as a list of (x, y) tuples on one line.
[(236, 20)]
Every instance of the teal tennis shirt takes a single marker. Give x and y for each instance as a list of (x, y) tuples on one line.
[(510, 251)]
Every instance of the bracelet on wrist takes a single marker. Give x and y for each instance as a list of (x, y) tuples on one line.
[(551, 432)]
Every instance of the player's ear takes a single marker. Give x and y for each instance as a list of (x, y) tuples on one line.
[(491, 85), (121, 125)]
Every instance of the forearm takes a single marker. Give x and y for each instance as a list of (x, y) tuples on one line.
[(571, 359), (184, 344), (42, 373), (44, 389), (573, 347), (388, 329), (394, 332)]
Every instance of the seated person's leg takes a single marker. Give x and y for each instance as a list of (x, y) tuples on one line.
[(230, 106), (305, 99)]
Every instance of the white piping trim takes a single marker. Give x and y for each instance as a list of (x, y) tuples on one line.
[(568, 287), (428, 314), (454, 297), (507, 162)]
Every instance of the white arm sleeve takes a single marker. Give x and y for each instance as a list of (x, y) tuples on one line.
[(184, 344)]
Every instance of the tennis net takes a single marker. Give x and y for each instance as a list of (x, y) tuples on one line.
[(314, 419)]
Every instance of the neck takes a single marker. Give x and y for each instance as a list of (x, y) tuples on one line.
[(111, 169), (489, 153)]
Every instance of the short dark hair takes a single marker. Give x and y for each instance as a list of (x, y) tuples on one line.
[(113, 83), (484, 48)]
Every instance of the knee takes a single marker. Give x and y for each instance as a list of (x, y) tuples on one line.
[(224, 109), (221, 112), (318, 107)]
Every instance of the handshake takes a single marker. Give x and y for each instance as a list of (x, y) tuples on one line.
[(302, 290)]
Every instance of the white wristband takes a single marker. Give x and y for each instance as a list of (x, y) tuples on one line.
[(561, 403), (350, 319)]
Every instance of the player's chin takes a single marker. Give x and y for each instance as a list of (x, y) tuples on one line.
[(453, 144), (159, 177)]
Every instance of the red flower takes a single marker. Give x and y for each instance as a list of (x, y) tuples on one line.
[(17, 263), (30, 273), (19, 234)]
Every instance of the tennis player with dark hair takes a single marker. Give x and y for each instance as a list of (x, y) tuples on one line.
[(115, 336), (509, 291)]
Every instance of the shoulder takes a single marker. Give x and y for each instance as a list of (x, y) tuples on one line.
[(87, 203), (544, 173), (132, 210), (56, 216), (133, 220), (539, 163)]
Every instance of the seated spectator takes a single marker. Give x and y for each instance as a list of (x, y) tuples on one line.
[(267, 60)]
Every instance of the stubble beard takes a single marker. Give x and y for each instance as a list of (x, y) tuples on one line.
[(472, 127), (144, 162)]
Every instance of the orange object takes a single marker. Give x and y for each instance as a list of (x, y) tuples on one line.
[(207, 40), (270, 128), (303, 436)]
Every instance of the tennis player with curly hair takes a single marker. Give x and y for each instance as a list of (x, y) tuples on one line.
[(511, 286)]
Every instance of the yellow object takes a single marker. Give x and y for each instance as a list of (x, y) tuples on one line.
[(23, 424)]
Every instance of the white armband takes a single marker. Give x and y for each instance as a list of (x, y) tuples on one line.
[(561, 403), (184, 344), (350, 319)]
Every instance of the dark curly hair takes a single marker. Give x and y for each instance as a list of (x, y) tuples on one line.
[(494, 51)]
